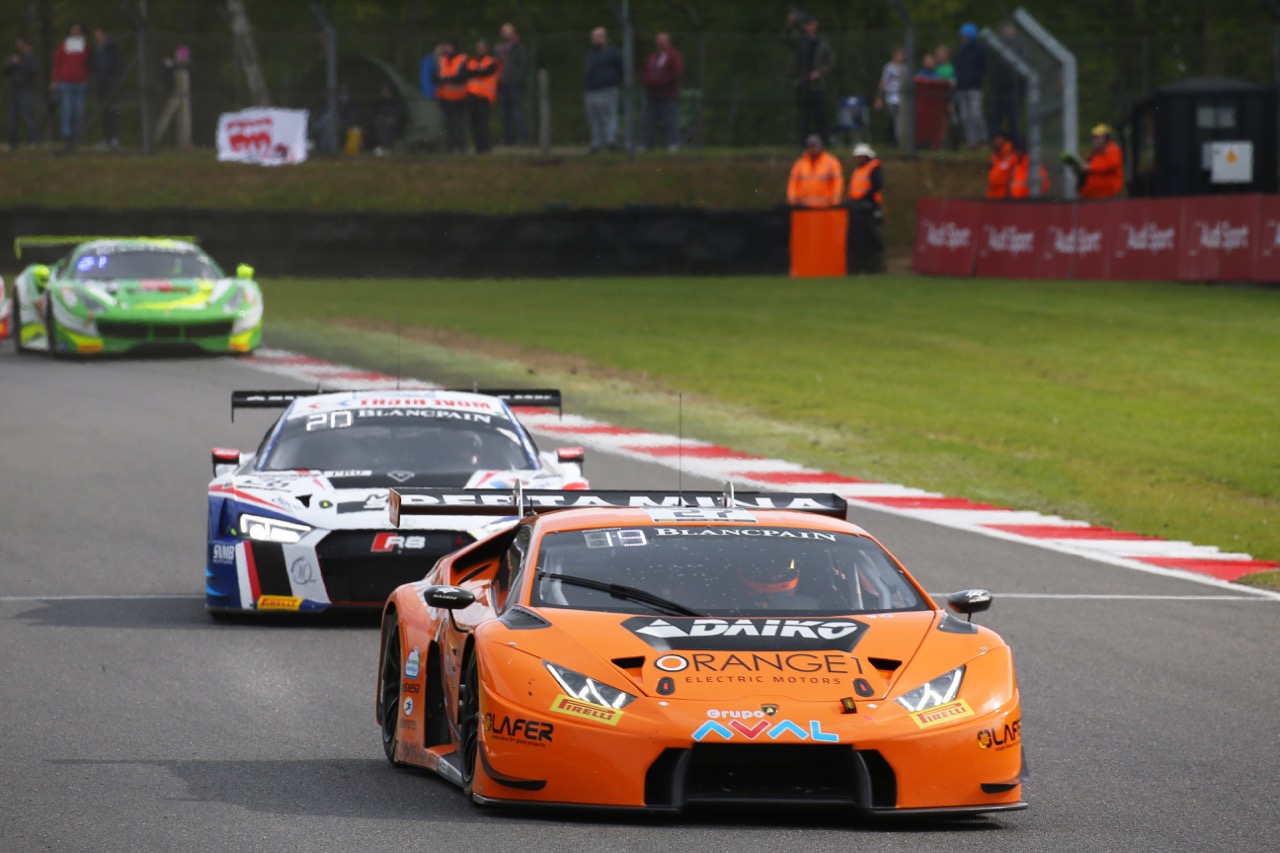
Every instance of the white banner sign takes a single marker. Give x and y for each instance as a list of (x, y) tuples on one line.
[(263, 135)]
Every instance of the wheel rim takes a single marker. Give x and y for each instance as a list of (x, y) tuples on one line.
[(469, 721), (389, 695)]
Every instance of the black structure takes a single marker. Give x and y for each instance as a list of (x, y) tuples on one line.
[(1168, 135)]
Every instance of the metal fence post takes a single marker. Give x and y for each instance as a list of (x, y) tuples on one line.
[(1070, 93), (544, 110), (1034, 116)]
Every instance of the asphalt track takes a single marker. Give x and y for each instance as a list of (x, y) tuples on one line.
[(130, 721)]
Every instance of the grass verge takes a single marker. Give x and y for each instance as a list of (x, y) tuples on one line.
[(1148, 407)]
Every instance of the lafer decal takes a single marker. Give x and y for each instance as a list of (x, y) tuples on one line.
[(596, 713), (533, 732), (1001, 737), (279, 602), (942, 714)]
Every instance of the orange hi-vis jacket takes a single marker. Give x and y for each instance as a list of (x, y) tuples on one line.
[(815, 181), (1104, 177), (860, 185), (482, 77), (453, 86), (1002, 162), (1019, 178)]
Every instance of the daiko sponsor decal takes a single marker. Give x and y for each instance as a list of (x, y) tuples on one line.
[(942, 714), (1009, 240), (946, 235), (1222, 236), (388, 543), (585, 710), (755, 728), (1148, 237), (747, 634), (1075, 241), (1001, 737)]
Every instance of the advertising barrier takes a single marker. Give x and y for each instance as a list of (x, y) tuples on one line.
[(1203, 238), (263, 135)]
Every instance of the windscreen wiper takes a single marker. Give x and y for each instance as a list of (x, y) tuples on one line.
[(622, 591)]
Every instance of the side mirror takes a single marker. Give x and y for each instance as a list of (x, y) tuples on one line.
[(225, 460), (448, 597), (40, 275), (969, 601), (571, 454), (244, 271)]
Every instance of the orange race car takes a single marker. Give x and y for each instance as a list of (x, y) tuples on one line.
[(651, 650)]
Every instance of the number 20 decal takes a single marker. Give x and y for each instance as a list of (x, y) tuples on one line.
[(336, 420)]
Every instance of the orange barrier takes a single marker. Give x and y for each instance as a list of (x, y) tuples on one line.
[(818, 240)]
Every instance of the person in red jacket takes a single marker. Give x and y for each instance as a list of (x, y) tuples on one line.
[(661, 79), (69, 78), (1002, 162), (1103, 175)]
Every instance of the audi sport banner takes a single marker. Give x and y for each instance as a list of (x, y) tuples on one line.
[(1205, 238), (263, 135)]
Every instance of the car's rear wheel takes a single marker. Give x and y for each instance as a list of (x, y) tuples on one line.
[(389, 687), (469, 721)]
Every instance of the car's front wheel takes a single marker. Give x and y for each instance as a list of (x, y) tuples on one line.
[(469, 722), (389, 687)]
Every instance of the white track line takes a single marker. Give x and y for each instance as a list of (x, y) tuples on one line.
[(183, 597), (1122, 550)]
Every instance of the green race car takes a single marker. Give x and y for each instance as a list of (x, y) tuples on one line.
[(117, 294)]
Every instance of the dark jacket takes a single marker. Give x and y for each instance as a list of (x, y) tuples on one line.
[(104, 63), (23, 73), (604, 68), (515, 63), (809, 55), (971, 65)]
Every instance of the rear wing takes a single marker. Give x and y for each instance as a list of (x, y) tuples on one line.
[(549, 397), (433, 501), (58, 241)]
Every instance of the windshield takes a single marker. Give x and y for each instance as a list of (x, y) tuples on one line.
[(419, 441), (722, 570), (144, 263)]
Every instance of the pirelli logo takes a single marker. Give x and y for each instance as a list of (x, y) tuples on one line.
[(942, 714), (595, 713), (278, 602)]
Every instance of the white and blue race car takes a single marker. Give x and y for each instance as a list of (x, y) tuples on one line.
[(302, 524)]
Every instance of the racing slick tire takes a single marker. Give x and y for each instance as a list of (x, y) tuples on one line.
[(389, 687), (15, 326), (469, 722)]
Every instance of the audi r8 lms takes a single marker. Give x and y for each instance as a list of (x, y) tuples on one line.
[(301, 524), (114, 295), (651, 651)]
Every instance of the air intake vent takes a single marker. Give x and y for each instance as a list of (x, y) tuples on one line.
[(629, 663), (885, 665)]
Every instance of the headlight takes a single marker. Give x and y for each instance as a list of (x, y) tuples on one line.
[(236, 301), (937, 692), (271, 529), (92, 302), (586, 689)]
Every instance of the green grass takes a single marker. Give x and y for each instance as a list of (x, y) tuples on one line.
[(1263, 580), (1149, 407)]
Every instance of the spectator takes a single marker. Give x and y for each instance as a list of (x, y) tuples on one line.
[(817, 179), (971, 70), (928, 67), (601, 81), (388, 121), (942, 59), (179, 103), (427, 73), (812, 61), (1003, 158), (661, 80), (1103, 175), (104, 66), (514, 62), (889, 92), (482, 91), (347, 121), (21, 70), (1020, 176), (1006, 87), (866, 215), (70, 74), (451, 92)]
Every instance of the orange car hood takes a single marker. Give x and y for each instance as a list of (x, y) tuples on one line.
[(817, 658)]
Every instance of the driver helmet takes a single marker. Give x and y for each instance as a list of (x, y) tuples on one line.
[(771, 577)]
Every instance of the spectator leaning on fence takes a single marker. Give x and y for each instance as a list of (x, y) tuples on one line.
[(971, 71), (601, 81), (482, 91), (817, 180), (812, 61), (514, 63), (661, 79), (20, 68), (889, 91), (70, 75)]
